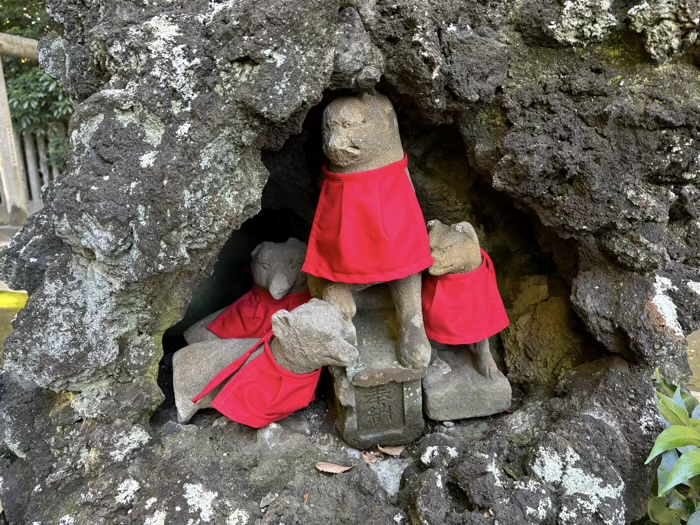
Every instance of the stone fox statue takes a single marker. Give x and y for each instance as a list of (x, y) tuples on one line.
[(461, 303), (369, 227), (271, 382), (278, 283)]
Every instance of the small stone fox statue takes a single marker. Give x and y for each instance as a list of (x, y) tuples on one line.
[(278, 282), (461, 303), (311, 336)]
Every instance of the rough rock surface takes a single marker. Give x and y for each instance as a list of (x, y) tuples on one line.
[(545, 339), (667, 26), (581, 159), (454, 389)]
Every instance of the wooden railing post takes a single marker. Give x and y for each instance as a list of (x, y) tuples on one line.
[(14, 189), (32, 166)]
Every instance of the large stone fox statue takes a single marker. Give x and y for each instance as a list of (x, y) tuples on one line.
[(369, 227)]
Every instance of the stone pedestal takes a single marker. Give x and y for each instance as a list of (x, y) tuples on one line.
[(378, 401), (453, 389)]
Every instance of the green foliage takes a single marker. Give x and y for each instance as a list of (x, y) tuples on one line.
[(26, 18), (677, 483), (37, 102)]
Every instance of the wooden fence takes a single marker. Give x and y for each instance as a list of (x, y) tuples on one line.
[(36, 167), (24, 163)]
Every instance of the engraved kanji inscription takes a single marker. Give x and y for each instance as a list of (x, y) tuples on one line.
[(380, 407)]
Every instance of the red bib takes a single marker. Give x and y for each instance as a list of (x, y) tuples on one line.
[(251, 315), (463, 308), (368, 228), (263, 392)]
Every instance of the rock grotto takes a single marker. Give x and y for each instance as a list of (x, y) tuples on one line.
[(567, 133)]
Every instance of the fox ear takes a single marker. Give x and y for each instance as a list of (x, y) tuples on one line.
[(280, 322), (296, 243), (257, 249), (465, 228), (436, 229)]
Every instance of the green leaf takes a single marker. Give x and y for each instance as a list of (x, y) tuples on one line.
[(676, 436), (691, 402), (656, 508), (673, 412), (694, 484), (681, 505), (668, 462), (688, 466), (665, 386), (682, 396), (696, 413)]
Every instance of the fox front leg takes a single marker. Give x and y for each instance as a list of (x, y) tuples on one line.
[(340, 296)]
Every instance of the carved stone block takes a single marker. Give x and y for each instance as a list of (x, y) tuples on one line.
[(453, 389), (377, 401)]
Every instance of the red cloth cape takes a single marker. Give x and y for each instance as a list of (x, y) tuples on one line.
[(368, 228), (251, 315), (463, 308), (262, 392)]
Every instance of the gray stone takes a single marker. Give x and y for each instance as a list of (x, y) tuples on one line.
[(455, 250), (308, 338), (199, 332), (377, 363), (667, 26), (545, 339), (197, 364), (388, 411), (358, 62), (463, 392)]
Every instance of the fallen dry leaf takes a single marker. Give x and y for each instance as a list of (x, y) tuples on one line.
[(332, 468), (391, 451), (369, 457), (306, 499)]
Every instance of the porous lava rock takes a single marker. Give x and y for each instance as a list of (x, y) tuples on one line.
[(578, 155)]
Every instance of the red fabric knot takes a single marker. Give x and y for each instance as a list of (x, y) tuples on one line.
[(368, 228), (463, 308)]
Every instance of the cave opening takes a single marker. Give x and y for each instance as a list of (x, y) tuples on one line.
[(450, 189)]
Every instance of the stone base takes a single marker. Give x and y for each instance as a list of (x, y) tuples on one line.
[(378, 401), (453, 389)]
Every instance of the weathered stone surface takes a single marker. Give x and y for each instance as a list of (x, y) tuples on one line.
[(569, 460), (378, 364), (545, 339), (377, 401), (568, 154), (574, 23), (668, 26), (453, 389), (193, 472), (358, 62)]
